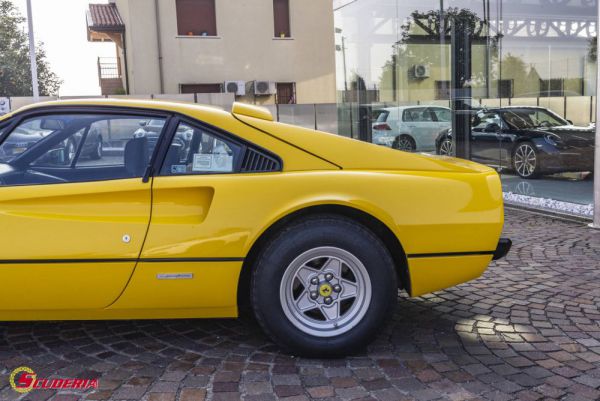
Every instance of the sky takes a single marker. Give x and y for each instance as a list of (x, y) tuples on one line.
[(61, 25)]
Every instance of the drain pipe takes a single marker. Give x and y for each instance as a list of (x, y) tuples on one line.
[(159, 48), (596, 223)]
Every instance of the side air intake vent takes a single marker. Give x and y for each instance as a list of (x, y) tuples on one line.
[(258, 162)]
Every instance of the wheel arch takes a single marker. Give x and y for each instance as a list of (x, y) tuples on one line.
[(379, 228)]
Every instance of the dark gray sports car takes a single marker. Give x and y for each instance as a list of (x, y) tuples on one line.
[(532, 141)]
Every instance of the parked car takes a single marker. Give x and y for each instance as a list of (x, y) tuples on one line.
[(26, 136), (151, 129), (306, 227), (532, 141), (411, 128)]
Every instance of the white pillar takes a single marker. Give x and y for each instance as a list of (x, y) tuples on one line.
[(33, 60)]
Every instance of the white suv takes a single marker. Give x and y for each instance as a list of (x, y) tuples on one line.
[(411, 128)]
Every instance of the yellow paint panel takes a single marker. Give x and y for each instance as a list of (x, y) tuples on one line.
[(74, 220), (121, 314), (436, 273), (213, 285), (52, 286)]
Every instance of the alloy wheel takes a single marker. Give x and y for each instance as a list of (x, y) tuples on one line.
[(446, 147), (525, 160), (70, 152), (325, 291), (404, 144)]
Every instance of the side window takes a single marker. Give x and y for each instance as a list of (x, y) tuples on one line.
[(194, 150), (415, 114), (79, 147), (442, 115), (481, 121), (426, 116)]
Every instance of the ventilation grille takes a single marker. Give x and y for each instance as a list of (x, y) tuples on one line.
[(257, 162)]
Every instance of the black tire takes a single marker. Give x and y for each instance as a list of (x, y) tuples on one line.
[(69, 152), (526, 160), (307, 235), (445, 147), (98, 150), (405, 143)]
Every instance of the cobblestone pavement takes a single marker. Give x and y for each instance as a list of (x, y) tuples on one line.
[(528, 329)]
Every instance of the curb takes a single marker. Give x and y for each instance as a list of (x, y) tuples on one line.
[(549, 213)]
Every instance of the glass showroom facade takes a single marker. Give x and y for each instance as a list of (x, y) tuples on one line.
[(508, 83)]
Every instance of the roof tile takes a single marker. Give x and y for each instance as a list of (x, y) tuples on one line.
[(105, 16)]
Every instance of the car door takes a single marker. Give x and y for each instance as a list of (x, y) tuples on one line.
[(420, 124), (72, 224), (443, 121), (191, 257), (485, 138)]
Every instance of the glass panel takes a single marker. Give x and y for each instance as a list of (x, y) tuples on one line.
[(298, 114), (76, 148), (196, 151), (327, 118), (529, 66)]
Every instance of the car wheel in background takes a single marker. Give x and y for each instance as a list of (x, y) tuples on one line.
[(526, 161), (446, 147), (317, 290), (69, 152), (405, 143), (98, 150)]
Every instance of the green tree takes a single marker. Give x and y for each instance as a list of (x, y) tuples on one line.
[(15, 70)]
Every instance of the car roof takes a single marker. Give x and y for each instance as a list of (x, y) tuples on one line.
[(417, 106), (505, 108), (156, 105)]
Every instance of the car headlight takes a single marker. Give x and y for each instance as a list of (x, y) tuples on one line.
[(553, 139)]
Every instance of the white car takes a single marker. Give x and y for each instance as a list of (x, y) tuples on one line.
[(411, 128)]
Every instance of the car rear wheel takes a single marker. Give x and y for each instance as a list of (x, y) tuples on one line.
[(69, 152), (405, 143), (526, 161), (98, 150), (318, 290)]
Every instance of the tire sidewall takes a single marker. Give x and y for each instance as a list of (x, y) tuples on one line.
[(271, 267)]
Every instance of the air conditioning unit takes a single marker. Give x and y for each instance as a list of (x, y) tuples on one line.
[(421, 71), (238, 88), (264, 88)]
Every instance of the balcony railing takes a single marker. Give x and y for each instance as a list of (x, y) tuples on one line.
[(109, 68)]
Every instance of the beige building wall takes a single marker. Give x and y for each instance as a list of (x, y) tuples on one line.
[(244, 49)]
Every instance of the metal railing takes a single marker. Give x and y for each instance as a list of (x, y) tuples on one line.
[(109, 68)]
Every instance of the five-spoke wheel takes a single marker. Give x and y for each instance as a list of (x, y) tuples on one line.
[(317, 290), (325, 291)]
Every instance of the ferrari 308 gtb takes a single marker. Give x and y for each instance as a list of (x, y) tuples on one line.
[(183, 211)]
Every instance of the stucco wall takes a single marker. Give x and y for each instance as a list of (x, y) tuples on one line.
[(243, 50)]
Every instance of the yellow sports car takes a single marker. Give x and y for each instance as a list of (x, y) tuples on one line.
[(116, 209)]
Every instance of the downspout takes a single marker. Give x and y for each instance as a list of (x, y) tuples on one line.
[(125, 61), (159, 48)]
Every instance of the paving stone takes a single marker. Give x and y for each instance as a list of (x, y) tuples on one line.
[(192, 394)]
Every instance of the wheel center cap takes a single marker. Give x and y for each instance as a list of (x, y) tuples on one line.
[(325, 290)]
